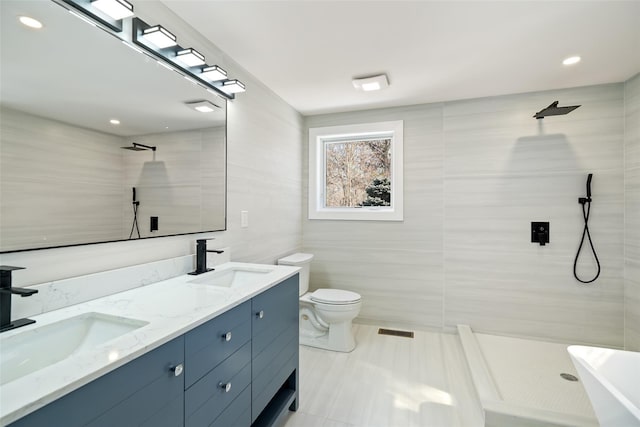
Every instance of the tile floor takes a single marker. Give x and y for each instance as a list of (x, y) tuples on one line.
[(387, 381)]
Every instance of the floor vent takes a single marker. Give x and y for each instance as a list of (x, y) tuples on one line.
[(395, 333)]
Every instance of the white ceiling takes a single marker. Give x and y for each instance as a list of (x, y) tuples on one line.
[(309, 51)]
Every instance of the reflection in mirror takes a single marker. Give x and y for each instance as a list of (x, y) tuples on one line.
[(71, 97)]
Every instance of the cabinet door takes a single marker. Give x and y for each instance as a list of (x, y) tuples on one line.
[(274, 342), (133, 395)]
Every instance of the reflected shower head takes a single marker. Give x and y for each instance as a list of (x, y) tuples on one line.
[(554, 110), (139, 147)]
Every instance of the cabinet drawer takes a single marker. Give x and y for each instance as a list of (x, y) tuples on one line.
[(109, 393), (238, 414), (211, 343), (279, 309), (206, 399)]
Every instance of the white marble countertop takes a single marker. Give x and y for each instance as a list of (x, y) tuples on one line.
[(171, 308)]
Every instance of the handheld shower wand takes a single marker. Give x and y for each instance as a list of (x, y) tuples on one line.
[(586, 210), (134, 225)]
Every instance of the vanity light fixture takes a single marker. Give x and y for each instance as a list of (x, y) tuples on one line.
[(159, 36), (116, 9), (371, 83), (160, 44), (30, 22), (571, 60), (214, 73), (203, 106), (233, 86), (190, 57)]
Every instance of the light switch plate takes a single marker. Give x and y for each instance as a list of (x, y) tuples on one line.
[(244, 219)]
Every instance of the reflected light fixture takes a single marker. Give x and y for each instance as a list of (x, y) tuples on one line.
[(114, 121), (214, 73), (571, 60), (30, 22), (372, 83), (203, 106), (190, 57), (116, 9), (233, 86), (160, 37)]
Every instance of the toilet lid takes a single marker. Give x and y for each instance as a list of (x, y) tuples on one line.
[(335, 296)]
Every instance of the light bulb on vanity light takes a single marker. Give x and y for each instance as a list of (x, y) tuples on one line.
[(214, 73), (190, 57), (233, 86), (116, 9), (159, 36)]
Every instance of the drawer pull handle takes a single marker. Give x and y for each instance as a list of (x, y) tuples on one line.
[(227, 336), (225, 386), (177, 370), (260, 314)]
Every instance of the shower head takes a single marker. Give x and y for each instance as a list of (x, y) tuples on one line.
[(554, 110), (139, 147)]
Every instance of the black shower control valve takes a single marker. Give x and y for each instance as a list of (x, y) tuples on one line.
[(540, 233)]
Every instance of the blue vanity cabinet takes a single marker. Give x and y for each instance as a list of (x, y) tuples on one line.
[(147, 391), (218, 369), (274, 353), (240, 369)]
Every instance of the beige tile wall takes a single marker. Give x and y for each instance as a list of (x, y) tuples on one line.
[(632, 214), (477, 172)]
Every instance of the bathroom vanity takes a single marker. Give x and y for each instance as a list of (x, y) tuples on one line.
[(228, 356)]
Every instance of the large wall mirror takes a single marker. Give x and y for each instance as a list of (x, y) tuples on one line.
[(64, 177)]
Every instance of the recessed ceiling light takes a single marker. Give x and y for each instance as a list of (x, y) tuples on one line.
[(30, 22), (114, 121), (571, 60), (203, 106), (368, 84)]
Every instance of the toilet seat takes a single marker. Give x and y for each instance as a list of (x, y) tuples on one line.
[(335, 297)]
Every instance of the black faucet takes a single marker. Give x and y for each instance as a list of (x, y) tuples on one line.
[(6, 290), (201, 257)]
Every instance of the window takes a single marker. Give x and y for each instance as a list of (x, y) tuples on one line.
[(355, 172)]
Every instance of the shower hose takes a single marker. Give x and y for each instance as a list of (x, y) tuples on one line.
[(585, 234)]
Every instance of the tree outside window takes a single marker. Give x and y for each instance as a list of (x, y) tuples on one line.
[(358, 173)]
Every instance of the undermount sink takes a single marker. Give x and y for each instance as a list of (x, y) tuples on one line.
[(611, 379), (234, 276), (31, 350)]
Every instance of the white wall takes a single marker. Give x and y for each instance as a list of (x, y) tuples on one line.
[(264, 162), (632, 213), (477, 172)]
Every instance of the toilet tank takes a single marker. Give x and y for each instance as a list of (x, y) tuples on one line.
[(304, 262)]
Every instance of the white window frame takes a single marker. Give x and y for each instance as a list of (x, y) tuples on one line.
[(317, 136)]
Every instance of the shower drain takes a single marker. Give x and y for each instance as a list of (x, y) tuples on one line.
[(569, 377)]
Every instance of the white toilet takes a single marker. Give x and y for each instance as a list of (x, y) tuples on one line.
[(326, 314)]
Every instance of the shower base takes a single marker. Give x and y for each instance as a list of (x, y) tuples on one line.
[(519, 382)]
